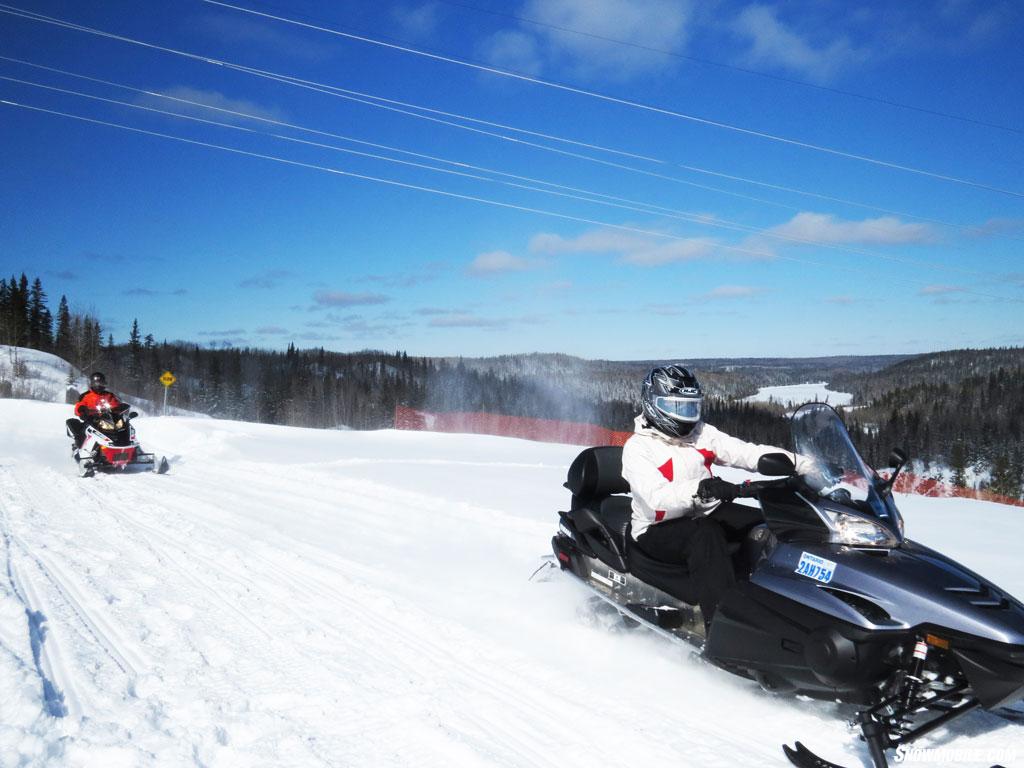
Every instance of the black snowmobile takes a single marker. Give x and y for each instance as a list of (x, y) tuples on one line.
[(831, 600), (109, 445)]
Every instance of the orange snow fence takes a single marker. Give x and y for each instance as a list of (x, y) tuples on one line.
[(541, 430), (929, 486), (574, 433)]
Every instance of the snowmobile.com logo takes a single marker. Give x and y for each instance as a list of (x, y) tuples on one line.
[(947, 756)]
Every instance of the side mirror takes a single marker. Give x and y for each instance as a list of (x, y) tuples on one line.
[(133, 414), (897, 458), (776, 465)]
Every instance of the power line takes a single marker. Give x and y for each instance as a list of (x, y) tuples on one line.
[(445, 193), (575, 193), (636, 207), (736, 68), (372, 100), (348, 94), (626, 102)]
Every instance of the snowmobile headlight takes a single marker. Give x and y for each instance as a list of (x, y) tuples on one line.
[(120, 423), (104, 424), (857, 531)]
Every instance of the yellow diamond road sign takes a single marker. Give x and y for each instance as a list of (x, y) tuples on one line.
[(167, 379)]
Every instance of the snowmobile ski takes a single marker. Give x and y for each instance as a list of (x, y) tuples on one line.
[(802, 757)]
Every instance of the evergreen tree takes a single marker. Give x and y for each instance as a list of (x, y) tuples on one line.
[(40, 323), (958, 463), (1003, 480), (135, 355), (63, 343)]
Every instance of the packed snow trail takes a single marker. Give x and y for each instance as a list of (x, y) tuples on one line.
[(295, 597)]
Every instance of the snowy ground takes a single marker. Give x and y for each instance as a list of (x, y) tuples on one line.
[(798, 394), (290, 597)]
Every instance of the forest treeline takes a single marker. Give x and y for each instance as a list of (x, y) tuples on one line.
[(959, 411)]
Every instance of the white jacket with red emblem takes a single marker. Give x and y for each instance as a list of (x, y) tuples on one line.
[(663, 472)]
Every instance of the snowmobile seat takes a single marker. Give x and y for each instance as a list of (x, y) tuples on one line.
[(596, 473), (604, 518)]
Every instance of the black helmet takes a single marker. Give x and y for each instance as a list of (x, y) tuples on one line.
[(98, 382), (671, 398)]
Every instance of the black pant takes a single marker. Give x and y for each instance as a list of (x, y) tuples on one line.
[(77, 430), (701, 544)]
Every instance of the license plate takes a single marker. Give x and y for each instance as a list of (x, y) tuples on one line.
[(817, 568)]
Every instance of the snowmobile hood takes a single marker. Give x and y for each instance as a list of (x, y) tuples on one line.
[(897, 589)]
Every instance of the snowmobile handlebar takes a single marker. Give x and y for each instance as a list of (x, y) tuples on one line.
[(751, 488)]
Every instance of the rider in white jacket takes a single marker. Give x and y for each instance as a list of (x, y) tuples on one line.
[(682, 513), (665, 472)]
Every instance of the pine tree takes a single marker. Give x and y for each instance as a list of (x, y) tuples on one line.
[(1003, 481), (135, 354), (40, 324), (958, 463), (63, 343)]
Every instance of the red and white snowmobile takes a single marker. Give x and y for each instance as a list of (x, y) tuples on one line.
[(110, 445)]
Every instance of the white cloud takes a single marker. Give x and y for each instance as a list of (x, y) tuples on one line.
[(940, 290), (181, 95), (462, 320), (996, 226), (823, 228), (662, 25), (630, 249), (234, 28), (727, 292), (231, 332), (594, 241), (775, 44), (513, 50), (346, 299), (497, 262), (417, 20), (666, 253), (269, 279)]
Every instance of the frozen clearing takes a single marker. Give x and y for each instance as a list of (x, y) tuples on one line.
[(289, 597), (798, 394)]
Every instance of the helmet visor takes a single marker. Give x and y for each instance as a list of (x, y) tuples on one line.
[(679, 408)]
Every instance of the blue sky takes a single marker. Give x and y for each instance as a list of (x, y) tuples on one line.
[(218, 247)]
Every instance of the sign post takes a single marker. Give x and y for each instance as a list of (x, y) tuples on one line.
[(167, 379)]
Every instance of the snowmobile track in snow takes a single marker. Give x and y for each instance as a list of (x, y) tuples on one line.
[(60, 692)]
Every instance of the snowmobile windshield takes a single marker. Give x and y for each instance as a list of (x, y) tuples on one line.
[(838, 472)]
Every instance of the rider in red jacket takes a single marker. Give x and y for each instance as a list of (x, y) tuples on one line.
[(93, 401)]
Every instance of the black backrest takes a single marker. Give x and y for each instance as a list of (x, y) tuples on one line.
[(596, 473)]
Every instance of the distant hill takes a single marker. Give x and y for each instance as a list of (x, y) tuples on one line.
[(724, 377), (951, 367)]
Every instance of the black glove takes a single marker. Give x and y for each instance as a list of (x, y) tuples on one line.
[(717, 488)]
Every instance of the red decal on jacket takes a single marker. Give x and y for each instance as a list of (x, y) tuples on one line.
[(709, 457), (666, 470), (660, 514)]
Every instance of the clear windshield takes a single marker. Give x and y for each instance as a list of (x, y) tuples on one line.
[(837, 471)]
